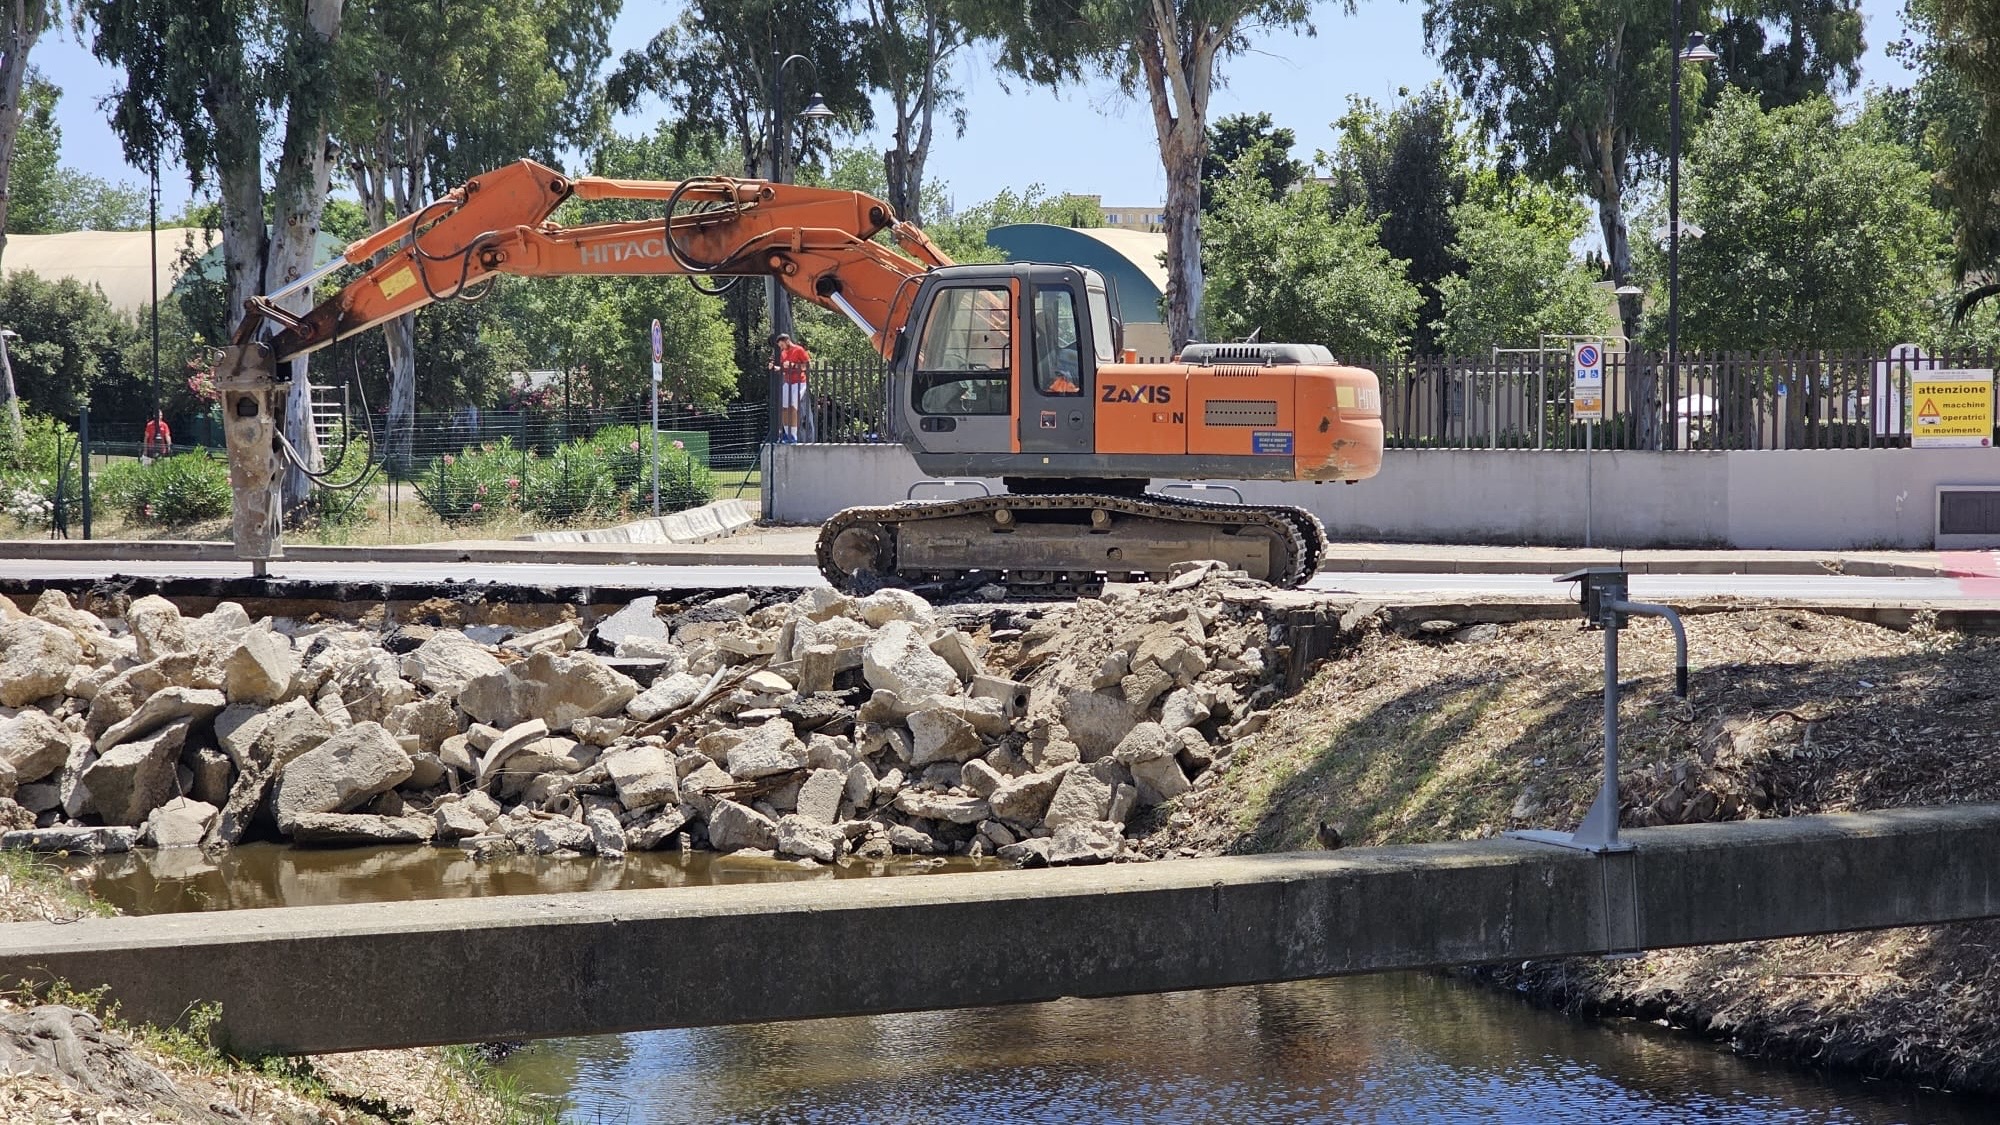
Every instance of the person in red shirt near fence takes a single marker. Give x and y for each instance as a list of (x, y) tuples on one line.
[(158, 440), (791, 364)]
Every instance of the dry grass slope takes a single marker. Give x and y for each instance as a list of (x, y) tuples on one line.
[(1410, 738)]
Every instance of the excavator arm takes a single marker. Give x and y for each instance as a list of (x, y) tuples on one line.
[(818, 243)]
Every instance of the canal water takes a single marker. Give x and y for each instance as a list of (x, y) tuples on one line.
[(1406, 1048)]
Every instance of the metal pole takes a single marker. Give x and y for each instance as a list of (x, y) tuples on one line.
[(1668, 439), (1589, 477), (656, 449), (153, 226), (774, 375), (83, 438), (1607, 791)]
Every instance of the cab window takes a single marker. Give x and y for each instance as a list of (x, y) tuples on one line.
[(1058, 353), (963, 357), (1100, 316)]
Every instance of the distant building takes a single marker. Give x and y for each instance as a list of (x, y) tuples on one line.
[(1140, 217), (1133, 261), (118, 262)]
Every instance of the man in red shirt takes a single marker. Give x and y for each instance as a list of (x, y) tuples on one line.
[(791, 366), (158, 440)]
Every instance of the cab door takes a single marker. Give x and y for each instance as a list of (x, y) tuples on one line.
[(1058, 364)]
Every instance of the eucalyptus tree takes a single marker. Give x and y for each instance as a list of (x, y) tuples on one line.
[(1169, 50), (219, 86), (434, 94)]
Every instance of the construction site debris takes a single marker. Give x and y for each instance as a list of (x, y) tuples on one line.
[(817, 727)]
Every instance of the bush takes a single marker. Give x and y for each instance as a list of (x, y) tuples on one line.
[(570, 483), (111, 487), (683, 483), (604, 476), (180, 490), (474, 486), (47, 459)]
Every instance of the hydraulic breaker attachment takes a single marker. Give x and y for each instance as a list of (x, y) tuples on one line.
[(253, 413)]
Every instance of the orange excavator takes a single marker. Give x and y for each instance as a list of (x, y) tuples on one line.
[(1010, 370)]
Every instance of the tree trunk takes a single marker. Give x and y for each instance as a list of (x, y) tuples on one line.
[(21, 35), (241, 188), (1185, 281), (298, 198), (1178, 76), (916, 109), (400, 334)]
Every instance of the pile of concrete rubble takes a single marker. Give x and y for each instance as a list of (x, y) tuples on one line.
[(821, 726)]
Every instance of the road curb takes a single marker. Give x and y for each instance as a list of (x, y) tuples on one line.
[(717, 553)]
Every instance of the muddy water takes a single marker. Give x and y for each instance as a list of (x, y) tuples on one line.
[(182, 879), (1377, 1049)]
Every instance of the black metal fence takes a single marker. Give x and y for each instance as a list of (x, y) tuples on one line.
[(1734, 400)]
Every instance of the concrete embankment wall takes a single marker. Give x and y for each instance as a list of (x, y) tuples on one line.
[(1835, 499)]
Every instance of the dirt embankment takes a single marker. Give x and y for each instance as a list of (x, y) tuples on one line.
[(1463, 734), (61, 1061)]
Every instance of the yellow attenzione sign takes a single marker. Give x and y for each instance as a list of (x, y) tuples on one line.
[(1952, 407)]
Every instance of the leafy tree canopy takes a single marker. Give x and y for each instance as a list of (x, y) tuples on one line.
[(1292, 269), (1520, 279), (71, 339), (48, 197), (1817, 233), (1232, 136), (1406, 169)]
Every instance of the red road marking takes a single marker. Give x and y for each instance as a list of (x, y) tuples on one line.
[(1977, 572)]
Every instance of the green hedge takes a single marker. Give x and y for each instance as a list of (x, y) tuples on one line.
[(172, 490), (603, 477)]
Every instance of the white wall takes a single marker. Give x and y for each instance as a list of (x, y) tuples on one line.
[(1806, 500)]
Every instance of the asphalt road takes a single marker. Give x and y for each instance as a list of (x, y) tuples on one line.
[(1807, 588)]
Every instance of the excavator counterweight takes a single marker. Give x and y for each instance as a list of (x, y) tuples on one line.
[(1013, 370)]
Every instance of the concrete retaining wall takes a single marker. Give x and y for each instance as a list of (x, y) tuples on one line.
[(332, 978), (1838, 499)]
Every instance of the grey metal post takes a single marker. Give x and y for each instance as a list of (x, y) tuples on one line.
[(1589, 476), (83, 439), (1603, 596)]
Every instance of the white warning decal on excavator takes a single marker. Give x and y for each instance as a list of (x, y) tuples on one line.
[(1271, 442), (397, 282)]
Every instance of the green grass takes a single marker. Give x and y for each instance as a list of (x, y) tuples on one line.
[(29, 872), (517, 1106)]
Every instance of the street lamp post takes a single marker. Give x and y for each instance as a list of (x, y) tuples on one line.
[(781, 304), (1697, 51)]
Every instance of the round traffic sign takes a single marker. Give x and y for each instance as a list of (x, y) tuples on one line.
[(656, 341), (1586, 356)]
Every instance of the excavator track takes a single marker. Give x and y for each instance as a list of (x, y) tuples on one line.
[(1078, 540)]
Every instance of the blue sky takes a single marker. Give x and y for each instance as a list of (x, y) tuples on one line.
[(1092, 140)]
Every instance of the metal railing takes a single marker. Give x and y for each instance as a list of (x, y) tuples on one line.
[(1726, 401)]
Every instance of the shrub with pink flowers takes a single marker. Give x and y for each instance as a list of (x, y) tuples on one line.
[(473, 485), (603, 477), (683, 483)]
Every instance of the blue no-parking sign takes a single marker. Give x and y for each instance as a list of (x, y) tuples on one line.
[(1586, 397)]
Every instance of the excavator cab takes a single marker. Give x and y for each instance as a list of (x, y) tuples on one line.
[(1001, 360)]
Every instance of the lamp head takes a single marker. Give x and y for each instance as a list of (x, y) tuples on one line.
[(1698, 50), (815, 109)]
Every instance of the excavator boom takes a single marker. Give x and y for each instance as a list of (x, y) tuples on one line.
[(817, 242)]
